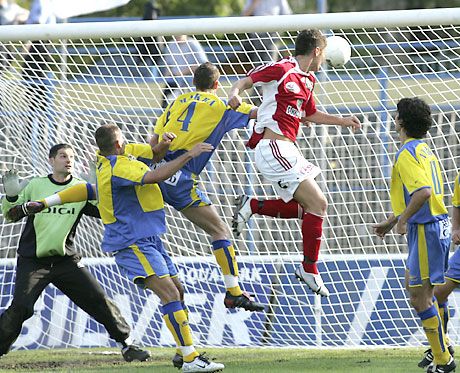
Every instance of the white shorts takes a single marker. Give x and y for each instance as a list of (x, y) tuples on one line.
[(281, 163)]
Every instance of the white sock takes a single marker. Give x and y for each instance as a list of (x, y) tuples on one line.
[(187, 350), (230, 281), (129, 341)]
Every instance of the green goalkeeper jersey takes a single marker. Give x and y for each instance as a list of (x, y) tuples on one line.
[(51, 232)]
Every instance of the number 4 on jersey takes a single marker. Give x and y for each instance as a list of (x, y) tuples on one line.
[(186, 117)]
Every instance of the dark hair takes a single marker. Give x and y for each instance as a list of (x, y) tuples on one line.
[(415, 116), (105, 136), (307, 40), (205, 76), (55, 148)]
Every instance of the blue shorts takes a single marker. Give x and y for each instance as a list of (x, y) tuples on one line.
[(181, 191), (428, 252), (453, 268), (144, 258)]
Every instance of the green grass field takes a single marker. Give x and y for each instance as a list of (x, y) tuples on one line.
[(241, 360)]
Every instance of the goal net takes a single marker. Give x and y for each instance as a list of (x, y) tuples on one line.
[(74, 77)]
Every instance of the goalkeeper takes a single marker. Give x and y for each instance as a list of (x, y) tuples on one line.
[(46, 255)]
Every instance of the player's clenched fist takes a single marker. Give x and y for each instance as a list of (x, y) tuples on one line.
[(456, 236), (234, 101), (168, 137), (18, 212), (202, 147)]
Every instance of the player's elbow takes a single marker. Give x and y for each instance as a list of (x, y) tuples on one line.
[(425, 193), (151, 177)]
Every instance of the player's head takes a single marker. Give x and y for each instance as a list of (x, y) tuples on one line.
[(110, 140), (311, 43), (61, 158), (206, 77), (414, 116)]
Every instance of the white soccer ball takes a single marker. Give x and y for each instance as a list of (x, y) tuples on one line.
[(338, 51)]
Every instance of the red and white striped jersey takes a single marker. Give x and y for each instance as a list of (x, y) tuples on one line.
[(287, 96)]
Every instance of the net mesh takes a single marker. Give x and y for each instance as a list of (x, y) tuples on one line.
[(62, 91)]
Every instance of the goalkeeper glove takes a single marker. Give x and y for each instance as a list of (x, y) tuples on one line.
[(11, 184), (18, 212)]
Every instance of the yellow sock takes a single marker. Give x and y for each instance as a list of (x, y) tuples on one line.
[(444, 315), (184, 307), (432, 326), (235, 291), (177, 323), (226, 259)]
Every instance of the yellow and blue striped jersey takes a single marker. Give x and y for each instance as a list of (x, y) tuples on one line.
[(415, 168), (129, 209), (199, 117), (456, 196), (142, 152)]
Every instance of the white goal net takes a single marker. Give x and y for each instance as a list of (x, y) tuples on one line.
[(78, 76)]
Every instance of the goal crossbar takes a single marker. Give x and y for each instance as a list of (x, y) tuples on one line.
[(193, 26)]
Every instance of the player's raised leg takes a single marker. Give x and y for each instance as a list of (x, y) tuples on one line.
[(309, 204), (206, 218), (246, 206)]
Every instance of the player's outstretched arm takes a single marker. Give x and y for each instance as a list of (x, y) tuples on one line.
[(456, 225), (76, 193), (382, 228), (170, 168), (321, 117), (160, 148), (234, 99)]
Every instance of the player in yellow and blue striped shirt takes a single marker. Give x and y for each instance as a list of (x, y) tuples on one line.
[(416, 194), (196, 117), (452, 274), (131, 208)]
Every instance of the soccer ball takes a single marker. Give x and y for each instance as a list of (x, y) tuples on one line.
[(338, 51)]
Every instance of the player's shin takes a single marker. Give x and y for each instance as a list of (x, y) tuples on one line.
[(433, 328), (177, 323), (312, 230), (277, 208), (444, 315), (184, 307), (225, 256)]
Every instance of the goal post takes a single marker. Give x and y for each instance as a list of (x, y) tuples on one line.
[(77, 76)]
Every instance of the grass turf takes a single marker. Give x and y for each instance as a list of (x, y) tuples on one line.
[(247, 360)]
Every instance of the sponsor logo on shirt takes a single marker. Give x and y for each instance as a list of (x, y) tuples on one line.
[(308, 84), (59, 210), (292, 87), (293, 112)]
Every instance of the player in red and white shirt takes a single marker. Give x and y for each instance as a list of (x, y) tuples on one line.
[(287, 87)]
